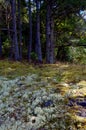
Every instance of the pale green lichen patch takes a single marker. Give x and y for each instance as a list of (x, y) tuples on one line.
[(38, 97)]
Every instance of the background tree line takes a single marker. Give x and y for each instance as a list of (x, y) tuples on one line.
[(42, 30)]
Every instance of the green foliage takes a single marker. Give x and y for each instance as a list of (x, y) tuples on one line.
[(71, 32), (6, 47), (68, 27), (33, 56), (1, 1), (63, 53), (25, 18), (78, 54)]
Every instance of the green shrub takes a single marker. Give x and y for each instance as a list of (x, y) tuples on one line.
[(33, 56)]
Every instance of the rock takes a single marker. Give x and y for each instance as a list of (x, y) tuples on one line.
[(48, 103), (82, 103)]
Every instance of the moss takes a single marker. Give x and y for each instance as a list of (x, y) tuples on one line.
[(62, 72), (51, 76), (14, 69)]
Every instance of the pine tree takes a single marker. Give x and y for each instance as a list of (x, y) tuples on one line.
[(38, 42), (14, 25), (49, 33), (30, 31)]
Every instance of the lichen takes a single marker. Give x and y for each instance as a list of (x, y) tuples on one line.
[(39, 96)]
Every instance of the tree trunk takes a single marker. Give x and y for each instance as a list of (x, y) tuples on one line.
[(30, 32), (20, 28), (38, 43), (15, 40), (10, 40), (49, 34), (52, 41), (0, 46)]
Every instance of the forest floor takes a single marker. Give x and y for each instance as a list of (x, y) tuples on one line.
[(42, 97)]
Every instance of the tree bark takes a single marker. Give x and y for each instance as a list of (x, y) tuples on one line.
[(38, 43), (0, 46), (20, 28), (52, 41), (49, 34), (15, 39), (30, 32)]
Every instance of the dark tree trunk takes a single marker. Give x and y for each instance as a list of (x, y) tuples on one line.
[(38, 43), (15, 40), (52, 41), (8, 22), (20, 28), (0, 46), (49, 34), (30, 32), (11, 41)]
